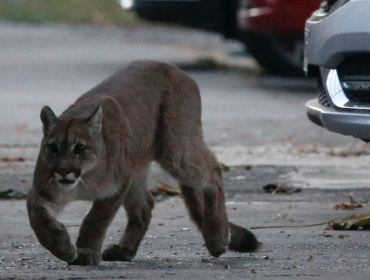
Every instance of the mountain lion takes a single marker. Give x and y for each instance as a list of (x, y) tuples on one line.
[(100, 149)]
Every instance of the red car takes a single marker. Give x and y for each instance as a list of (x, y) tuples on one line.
[(272, 30)]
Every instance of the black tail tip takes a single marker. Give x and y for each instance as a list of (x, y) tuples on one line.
[(242, 240)]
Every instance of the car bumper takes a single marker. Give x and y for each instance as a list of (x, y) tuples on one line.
[(343, 33), (346, 123)]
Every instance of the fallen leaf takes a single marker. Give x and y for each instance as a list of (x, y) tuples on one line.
[(248, 167), (253, 271), (344, 206), (288, 138), (224, 167), (285, 188), (21, 127), (13, 159), (344, 154), (326, 235), (352, 206), (354, 222), (310, 258), (165, 189), (299, 149), (227, 266), (12, 194), (270, 188)]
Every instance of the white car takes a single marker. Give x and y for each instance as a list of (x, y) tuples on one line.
[(337, 50)]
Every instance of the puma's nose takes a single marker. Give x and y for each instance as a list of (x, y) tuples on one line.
[(64, 171), (66, 177)]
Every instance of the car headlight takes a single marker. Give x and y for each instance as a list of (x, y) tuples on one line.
[(327, 7)]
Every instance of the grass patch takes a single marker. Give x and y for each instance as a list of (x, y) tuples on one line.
[(105, 12)]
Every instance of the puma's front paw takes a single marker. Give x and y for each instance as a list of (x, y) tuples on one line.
[(116, 253), (63, 249), (87, 257), (242, 240)]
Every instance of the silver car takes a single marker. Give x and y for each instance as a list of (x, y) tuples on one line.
[(337, 51)]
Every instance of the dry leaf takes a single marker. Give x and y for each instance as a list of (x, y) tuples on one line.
[(360, 221), (21, 127), (224, 167), (353, 205), (12, 194), (165, 189), (13, 159), (288, 138), (281, 188)]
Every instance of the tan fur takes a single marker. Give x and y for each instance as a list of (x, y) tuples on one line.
[(100, 148)]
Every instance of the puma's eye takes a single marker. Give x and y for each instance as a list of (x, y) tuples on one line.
[(53, 148), (79, 149)]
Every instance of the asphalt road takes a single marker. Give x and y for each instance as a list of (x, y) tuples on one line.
[(254, 123)]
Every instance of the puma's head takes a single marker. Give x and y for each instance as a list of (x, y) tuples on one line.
[(71, 146)]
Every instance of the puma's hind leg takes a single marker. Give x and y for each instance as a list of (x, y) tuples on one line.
[(138, 204), (201, 183), (200, 179)]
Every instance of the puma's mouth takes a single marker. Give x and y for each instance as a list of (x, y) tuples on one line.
[(66, 182)]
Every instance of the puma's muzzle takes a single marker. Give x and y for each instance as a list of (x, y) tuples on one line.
[(66, 180)]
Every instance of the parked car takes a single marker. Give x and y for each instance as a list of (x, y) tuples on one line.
[(272, 30), (338, 52)]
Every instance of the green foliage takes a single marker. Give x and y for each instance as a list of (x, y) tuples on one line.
[(107, 12)]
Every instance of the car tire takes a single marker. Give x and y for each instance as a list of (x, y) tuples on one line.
[(278, 56)]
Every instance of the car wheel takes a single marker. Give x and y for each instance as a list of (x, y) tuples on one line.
[(279, 56)]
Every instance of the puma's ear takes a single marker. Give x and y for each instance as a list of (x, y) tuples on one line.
[(96, 119), (48, 119)]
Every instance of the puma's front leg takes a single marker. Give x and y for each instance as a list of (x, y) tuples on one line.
[(52, 234), (138, 204), (93, 230)]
